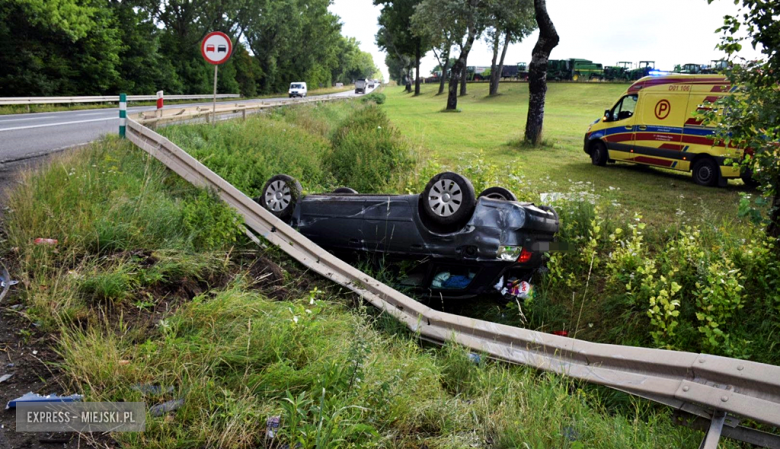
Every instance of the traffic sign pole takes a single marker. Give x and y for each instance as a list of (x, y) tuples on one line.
[(122, 115), (215, 94)]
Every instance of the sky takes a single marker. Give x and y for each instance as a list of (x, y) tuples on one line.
[(668, 32)]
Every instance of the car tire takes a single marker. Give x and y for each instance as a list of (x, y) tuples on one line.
[(498, 193), (345, 190), (705, 172), (599, 154), (449, 199), (280, 195), (748, 179)]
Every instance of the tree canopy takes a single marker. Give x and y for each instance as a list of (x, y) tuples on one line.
[(750, 118), (94, 47)]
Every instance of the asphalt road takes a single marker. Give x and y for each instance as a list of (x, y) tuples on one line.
[(25, 136)]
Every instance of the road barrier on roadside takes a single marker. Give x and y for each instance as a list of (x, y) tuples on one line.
[(104, 99), (718, 389)]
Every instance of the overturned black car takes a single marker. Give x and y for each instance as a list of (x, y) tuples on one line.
[(447, 241)]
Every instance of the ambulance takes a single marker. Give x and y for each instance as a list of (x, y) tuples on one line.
[(654, 123)]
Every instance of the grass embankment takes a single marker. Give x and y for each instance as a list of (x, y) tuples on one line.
[(39, 108), (489, 129), (152, 283), (654, 259)]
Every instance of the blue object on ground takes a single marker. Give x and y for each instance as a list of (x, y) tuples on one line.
[(33, 397)]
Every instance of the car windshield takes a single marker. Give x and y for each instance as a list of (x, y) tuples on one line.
[(295, 86)]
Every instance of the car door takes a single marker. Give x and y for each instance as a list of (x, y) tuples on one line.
[(620, 135)]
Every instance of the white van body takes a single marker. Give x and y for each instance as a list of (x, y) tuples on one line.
[(297, 89)]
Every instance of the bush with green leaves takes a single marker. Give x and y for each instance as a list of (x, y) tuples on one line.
[(369, 154)]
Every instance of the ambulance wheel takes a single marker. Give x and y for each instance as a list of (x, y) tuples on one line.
[(705, 172), (598, 154)]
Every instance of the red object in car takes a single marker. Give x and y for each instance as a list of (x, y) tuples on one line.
[(209, 48), (525, 256)]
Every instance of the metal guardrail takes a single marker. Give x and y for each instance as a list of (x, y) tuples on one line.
[(712, 387), (173, 113), (105, 99)]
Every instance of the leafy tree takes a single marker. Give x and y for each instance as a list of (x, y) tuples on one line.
[(67, 47), (751, 117), (461, 19), (397, 35), (537, 74), (510, 21)]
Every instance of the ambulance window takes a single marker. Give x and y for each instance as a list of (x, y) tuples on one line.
[(625, 108)]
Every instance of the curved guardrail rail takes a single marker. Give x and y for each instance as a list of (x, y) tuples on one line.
[(704, 385)]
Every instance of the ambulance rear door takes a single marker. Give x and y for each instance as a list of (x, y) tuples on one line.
[(659, 128)]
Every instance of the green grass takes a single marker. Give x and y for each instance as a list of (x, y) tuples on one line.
[(490, 128), (146, 286)]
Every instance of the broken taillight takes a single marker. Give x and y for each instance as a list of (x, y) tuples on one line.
[(525, 256)]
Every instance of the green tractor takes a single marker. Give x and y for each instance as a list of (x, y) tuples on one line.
[(692, 69), (643, 69), (574, 70), (618, 72), (716, 66)]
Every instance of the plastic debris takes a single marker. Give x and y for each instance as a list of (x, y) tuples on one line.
[(33, 397), (151, 389), (272, 426), (445, 280), (5, 377), (165, 407), (40, 241), (515, 288), (475, 358), (561, 333)]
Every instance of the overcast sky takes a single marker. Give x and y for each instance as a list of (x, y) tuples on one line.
[(668, 32)]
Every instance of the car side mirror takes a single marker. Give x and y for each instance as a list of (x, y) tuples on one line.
[(607, 116)]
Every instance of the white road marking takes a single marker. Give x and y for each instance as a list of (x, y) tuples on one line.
[(95, 113), (58, 124)]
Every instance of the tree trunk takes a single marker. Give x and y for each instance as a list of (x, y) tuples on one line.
[(443, 79), (452, 95), (494, 89), (773, 230), (417, 67), (494, 74), (537, 76), (444, 67), (464, 76), (408, 79)]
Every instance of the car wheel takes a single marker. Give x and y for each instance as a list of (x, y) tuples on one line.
[(748, 179), (345, 190), (280, 194), (599, 154), (498, 193), (449, 198), (705, 172)]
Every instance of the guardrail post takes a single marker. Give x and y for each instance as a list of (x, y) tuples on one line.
[(160, 101), (122, 115)]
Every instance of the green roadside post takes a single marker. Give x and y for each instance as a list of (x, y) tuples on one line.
[(122, 115)]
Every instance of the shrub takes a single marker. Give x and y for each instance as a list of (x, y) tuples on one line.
[(368, 153), (376, 97)]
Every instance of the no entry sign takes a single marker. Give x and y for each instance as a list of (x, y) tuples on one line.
[(216, 47)]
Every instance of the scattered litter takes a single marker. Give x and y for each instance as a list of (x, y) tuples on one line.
[(475, 358), (40, 241), (151, 389), (271, 426), (33, 397), (561, 333), (16, 306), (5, 377), (165, 407), (10, 365), (35, 352), (515, 287), (124, 362)]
